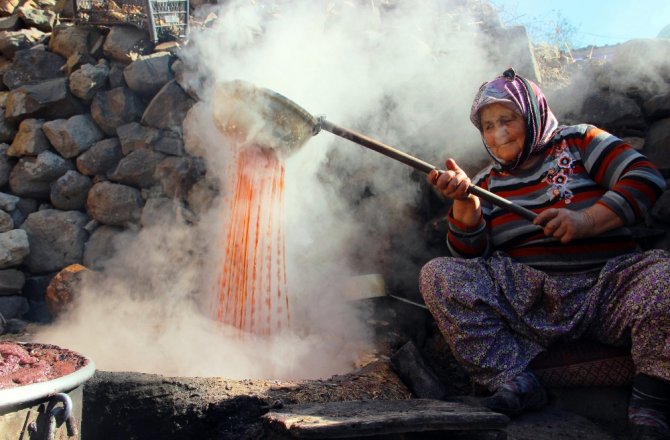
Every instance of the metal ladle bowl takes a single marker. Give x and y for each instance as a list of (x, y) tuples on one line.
[(255, 115)]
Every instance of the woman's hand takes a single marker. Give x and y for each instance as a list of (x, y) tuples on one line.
[(566, 225), (453, 183)]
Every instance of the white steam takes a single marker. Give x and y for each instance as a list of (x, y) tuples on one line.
[(404, 72)]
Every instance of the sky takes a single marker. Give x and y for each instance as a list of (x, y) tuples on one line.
[(587, 22)]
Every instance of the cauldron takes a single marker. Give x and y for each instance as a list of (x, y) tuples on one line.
[(49, 409)]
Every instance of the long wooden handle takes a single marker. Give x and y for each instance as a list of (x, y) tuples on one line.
[(421, 166)]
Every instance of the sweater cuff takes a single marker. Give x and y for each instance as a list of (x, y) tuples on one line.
[(617, 203), (462, 229)]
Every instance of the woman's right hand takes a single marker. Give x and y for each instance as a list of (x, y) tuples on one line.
[(452, 183)]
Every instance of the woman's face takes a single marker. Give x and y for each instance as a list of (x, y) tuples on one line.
[(504, 131)]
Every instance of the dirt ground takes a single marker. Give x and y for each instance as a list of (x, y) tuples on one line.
[(139, 405)]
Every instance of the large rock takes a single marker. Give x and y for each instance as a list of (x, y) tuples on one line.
[(8, 202), (63, 289), (134, 136), (113, 204), (24, 207), (12, 307), (86, 81), (638, 67), (67, 40), (7, 7), (6, 165), (41, 19), (137, 169), (192, 78), (116, 75), (5, 64), (168, 108), (657, 144), (70, 137), (11, 23), (7, 128), (178, 174), (6, 222), (56, 239), (36, 286), (14, 248), (125, 44), (657, 107), (31, 66), (636, 142), (170, 143), (115, 108), (613, 112), (147, 75), (69, 192), (160, 211), (197, 141), (202, 195), (11, 281), (48, 99), (100, 246), (100, 158), (30, 139), (77, 60), (32, 176), (11, 42)]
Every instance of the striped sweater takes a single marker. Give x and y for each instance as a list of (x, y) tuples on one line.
[(582, 165)]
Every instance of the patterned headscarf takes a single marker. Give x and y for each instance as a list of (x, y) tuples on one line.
[(527, 99)]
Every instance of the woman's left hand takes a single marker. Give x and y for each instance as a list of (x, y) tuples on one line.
[(566, 225)]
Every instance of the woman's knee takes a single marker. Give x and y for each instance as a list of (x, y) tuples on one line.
[(440, 274), (438, 268)]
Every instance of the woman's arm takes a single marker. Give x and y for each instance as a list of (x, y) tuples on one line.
[(467, 236), (468, 211), (633, 184)]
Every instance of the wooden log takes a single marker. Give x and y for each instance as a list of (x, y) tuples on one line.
[(351, 419)]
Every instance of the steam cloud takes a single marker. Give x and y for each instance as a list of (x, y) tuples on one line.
[(404, 72)]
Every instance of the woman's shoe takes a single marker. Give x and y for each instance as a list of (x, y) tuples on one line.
[(522, 394)]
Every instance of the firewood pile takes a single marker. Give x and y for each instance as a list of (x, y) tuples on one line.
[(164, 19), (109, 11)]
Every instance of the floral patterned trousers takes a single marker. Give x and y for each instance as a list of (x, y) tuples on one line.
[(498, 314)]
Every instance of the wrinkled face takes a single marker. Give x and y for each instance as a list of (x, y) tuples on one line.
[(504, 131)]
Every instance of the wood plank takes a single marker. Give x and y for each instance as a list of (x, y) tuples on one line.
[(377, 417)]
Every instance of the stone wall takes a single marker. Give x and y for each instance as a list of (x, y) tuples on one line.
[(91, 144)]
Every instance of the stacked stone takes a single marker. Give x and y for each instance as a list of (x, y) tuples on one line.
[(91, 145)]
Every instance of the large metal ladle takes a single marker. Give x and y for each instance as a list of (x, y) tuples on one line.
[(259, 115)]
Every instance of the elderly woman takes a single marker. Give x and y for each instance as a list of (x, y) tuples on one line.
[(513, 288)]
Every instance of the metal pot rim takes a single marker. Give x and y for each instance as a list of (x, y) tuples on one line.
[(40, 390)]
